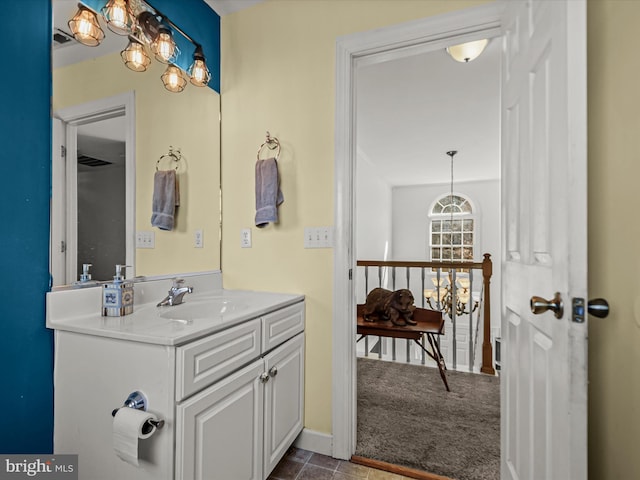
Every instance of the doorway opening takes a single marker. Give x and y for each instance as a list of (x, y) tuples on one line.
[(352, 52), (93, 189)]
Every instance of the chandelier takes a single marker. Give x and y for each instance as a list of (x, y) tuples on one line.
[(148, 31), (452, 298)]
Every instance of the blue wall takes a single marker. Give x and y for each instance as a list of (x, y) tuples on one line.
[(26, 401), (26, 350)]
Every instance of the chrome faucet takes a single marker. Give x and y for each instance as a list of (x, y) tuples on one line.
[(176, 293)]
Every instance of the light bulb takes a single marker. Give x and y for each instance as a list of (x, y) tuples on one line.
[(198, 70), (164, 48), (199, 74), (85, 27), (173, 79), (118, 16), (135, 57)]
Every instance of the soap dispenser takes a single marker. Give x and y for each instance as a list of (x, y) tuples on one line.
[(117, 296), (85, 278)]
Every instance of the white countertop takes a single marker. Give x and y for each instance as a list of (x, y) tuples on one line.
[(202, 313)]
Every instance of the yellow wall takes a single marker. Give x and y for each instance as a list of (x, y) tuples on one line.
[(614, 229), (278, 75), (188, 120), (278, 64)]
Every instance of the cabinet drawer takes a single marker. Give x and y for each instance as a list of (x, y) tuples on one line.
[(205, 361), (282, 325)]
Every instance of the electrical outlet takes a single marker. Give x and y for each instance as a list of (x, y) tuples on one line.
[(198, 240), (245, 238), (145, 239)]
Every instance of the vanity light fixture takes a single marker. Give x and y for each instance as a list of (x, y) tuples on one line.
[(135, 56), (163, 46), (85, 27), (465, 52), (198, 70), (150, 32), (173, 79), (118, 16)]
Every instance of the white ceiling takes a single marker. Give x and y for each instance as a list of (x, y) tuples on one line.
[(411, 110), (225, 7)]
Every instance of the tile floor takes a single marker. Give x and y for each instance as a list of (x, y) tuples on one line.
[(300, 464)]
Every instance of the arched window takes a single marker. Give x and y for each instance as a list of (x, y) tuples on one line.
[(452, 229)]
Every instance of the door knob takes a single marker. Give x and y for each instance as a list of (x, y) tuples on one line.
[(598, 307), (540, 305)]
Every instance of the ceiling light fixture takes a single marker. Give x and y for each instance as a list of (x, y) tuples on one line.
[(85, 27), (198, 70), (173, 79), (163, 46), (147, 29), (135, 56), (118, 16), (466, 52)]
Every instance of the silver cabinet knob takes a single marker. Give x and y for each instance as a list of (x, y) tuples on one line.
[(273, 371), (264, 377), (540, 305)]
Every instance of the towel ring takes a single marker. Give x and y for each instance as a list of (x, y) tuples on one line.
[(272, 143), (173, 155)]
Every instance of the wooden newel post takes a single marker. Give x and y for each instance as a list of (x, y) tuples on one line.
[(487, 348)]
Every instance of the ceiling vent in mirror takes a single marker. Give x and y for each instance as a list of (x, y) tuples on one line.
[(61, 38), (91, 162)]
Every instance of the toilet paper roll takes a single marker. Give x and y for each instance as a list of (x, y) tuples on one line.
[(128, 427)]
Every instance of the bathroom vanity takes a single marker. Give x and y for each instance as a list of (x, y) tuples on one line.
[(224, 370)]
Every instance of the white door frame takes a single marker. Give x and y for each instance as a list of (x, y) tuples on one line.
[(89, 112), (426, 34)]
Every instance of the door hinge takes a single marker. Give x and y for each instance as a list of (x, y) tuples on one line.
[(63, 151), (63, 246), (351, 274)]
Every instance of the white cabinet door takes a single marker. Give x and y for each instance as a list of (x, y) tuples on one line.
[(219, 431), (284, 400)]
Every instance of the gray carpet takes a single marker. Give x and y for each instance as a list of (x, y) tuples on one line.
[(406, 417)]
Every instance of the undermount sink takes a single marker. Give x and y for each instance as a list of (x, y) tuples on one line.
[(200, 310)]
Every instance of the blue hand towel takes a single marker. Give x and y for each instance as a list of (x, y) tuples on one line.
[(164, 199), (268, 193)]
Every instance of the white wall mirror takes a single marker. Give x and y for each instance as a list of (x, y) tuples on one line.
[(95, 96)]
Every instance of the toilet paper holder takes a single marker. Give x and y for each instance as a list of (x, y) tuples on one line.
[(138, 401)]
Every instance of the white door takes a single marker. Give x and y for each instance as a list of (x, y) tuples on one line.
[(544, 391)]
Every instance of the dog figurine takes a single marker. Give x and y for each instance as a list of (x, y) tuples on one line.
[(383, 304)]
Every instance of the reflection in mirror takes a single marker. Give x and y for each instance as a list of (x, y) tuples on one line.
[(189, 121), (101, 196)]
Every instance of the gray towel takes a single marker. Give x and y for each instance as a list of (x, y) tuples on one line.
[(268, 194), (165, 199)]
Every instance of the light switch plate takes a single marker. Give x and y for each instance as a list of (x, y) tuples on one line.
[(318, 237), (145, 239)]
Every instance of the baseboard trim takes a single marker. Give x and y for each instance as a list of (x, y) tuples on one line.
[(397, 469), (313, 441)]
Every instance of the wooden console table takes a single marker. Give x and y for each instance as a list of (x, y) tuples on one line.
[(429, 323)]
